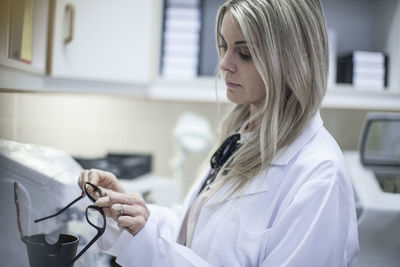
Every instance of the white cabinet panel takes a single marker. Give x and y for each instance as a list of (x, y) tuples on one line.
[(112, 40)]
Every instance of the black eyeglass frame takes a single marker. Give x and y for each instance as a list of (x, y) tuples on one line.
[(74, 201), (100, 230)]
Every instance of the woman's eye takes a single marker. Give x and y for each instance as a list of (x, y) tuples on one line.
[(245, 56), (222, 47)]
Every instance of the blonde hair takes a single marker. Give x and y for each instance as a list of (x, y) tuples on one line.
[(288, 43)]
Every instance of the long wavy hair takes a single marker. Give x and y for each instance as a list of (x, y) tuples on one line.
[(288, 42)]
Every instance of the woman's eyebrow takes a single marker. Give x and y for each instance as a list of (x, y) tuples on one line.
[(236, 43), (240, 42)]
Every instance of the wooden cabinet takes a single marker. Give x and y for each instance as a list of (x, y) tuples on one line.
[(79, 45), (23, 35), (4, 6), (102, 40)]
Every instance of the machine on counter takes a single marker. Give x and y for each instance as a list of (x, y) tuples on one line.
[(47, 181), (375, 173)]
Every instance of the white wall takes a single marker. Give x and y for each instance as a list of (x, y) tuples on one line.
[(91, 125)]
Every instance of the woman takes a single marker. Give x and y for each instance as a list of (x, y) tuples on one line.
[(277, 193)]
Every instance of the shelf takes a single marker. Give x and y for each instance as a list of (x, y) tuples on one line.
[(21, 66), (346, 97), (364, 25), (338, 97), (200, 90), (21, 81)]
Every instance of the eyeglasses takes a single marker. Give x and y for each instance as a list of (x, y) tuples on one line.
[(94, 215), (220, 157)]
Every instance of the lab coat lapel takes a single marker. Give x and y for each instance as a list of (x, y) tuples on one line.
[(193, 191), (257, 185), (260, 184), (190, 198)]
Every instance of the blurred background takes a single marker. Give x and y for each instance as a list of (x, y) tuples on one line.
[(94, 78)]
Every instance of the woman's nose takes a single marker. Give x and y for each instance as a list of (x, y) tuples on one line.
[(227, 63)]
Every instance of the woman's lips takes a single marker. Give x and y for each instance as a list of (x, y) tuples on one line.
[(232, 85)]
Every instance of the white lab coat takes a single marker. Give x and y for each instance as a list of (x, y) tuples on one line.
[(298, 212)]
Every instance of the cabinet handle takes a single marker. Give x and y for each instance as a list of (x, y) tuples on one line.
[(69, 8)]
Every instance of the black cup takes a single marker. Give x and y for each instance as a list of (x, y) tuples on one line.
[(43, 254)]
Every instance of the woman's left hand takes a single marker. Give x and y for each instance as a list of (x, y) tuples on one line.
[(128, 210)]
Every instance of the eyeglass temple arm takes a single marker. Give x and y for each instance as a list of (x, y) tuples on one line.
[(85, 248), (60, 211), (100, 231)]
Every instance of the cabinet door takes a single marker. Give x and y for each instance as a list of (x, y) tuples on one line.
[(108, 40), (4, 7), (23, 35)]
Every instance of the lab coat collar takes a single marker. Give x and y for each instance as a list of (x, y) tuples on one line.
[(259, 184), (285, 155)]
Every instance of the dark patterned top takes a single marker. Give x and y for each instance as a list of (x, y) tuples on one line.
[(220, 157)]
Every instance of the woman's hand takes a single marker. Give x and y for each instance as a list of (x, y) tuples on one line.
[(100, 178), (128, 210)]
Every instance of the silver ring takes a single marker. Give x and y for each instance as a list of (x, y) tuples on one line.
[(121, 209)]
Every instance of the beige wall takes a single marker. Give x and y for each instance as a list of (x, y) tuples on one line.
[(91, 125)]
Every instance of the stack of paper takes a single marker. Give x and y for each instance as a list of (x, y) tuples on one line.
[(182, 26), (364, 69)]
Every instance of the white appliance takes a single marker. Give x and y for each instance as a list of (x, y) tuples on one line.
[(375, 173), (47, 182)]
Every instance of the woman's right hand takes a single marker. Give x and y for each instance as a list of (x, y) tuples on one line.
[(103, 179), (128, 210)]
